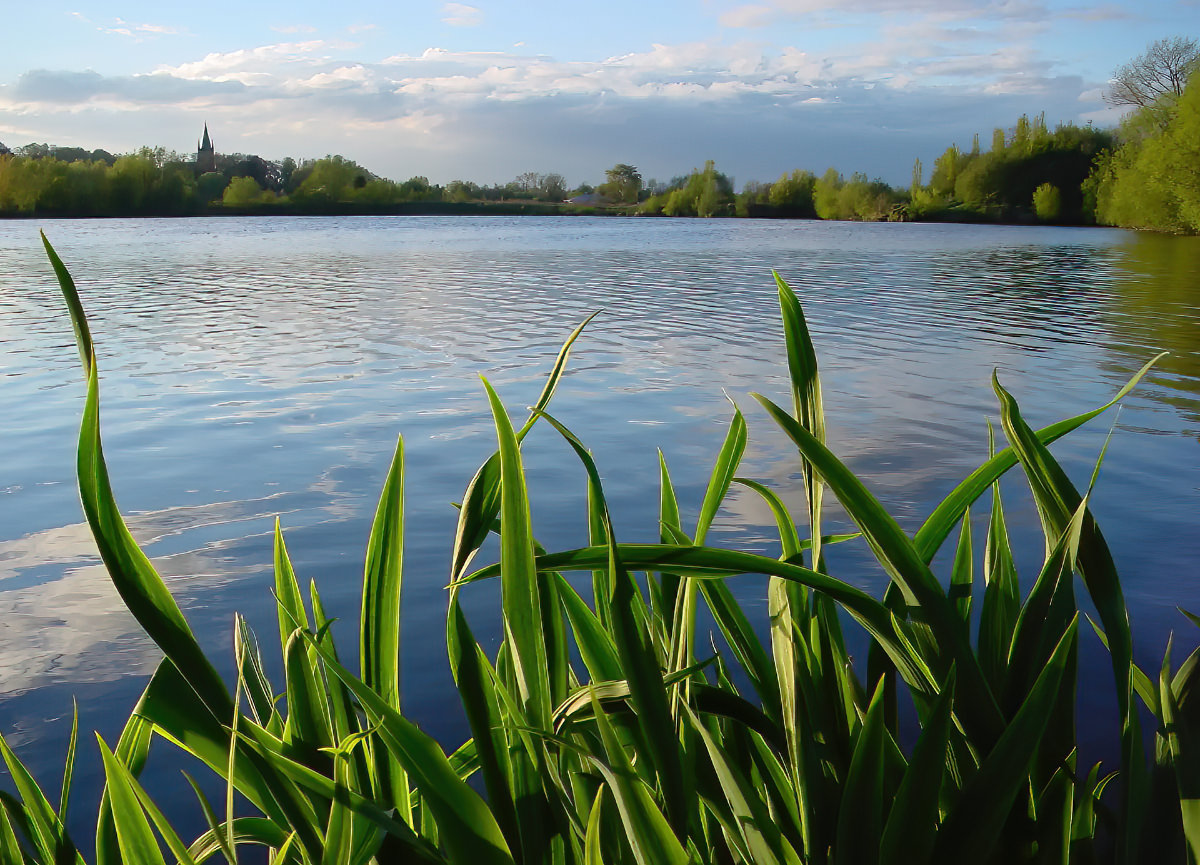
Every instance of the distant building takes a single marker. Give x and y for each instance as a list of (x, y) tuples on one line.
[(206, 154), (589, 199)]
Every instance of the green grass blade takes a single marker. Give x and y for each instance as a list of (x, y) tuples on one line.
[(596, 646), (899, 558), (291, 613), (946, 515), (806, 401), (10, 848), (912, 824), (469, 831), (136, 838), (476, 688), (972, 828), (83, 334), (518, 575), (1183, 741), (962, 577), (647, 830), (379, 625), (481, 503), (43, 826), (723, 473), (140, 586), (752, 822), (863, 806)]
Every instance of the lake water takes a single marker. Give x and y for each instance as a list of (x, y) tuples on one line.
[(261, 367)]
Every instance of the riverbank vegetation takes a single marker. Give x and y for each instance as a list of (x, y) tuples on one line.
[(608, 726), (1144, 174)]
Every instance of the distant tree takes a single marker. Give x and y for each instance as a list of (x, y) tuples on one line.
[(1154, 181), (1047, 202), (4, 151), (582, 189), (244, 192), (209, 186), (460, 191), (553, 187), (1161, 70), (792, 194), (622, 184), (287, 168), (702, 193)]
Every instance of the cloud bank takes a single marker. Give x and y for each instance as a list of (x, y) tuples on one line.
[(910, 89)]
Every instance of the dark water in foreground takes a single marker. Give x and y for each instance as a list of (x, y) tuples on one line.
[(262, 367)]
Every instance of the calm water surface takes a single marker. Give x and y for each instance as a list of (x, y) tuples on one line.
[(254, 368)]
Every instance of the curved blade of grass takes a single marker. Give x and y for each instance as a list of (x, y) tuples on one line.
[(476, 688), (912, 824), (481, 502), (379, 629), (714, 563), (971, 829), (136, 838), (637, 656), (140, 586), (751, 820), (723, 473), (899, 558), (522, 609), (43, 826), (132, 749), (469, 831), (806, 401), (10, 848), (648, 832), (291, 613), (946, 515), (245, 830), (862, 809)]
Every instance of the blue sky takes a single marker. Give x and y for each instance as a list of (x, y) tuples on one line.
[(490, 89)]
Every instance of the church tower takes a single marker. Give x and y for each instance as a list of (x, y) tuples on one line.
[(206, 154)]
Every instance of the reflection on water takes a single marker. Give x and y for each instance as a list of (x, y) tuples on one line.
[(1156, 305), (262, 367)]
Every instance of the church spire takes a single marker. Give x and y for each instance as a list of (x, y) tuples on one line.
[(206, 154)]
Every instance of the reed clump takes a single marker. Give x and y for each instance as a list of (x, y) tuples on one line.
[(653, 748)]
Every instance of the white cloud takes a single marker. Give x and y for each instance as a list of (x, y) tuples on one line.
[(747, 16), (461, 15), (756, 108), (133, 30)]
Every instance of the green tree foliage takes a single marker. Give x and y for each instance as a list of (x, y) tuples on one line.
[(792, 194), (147, 182), (1000, 183), (1047, 202), (703, 193), (1153, 180), (244, 192), (622, 183), (857, 199)]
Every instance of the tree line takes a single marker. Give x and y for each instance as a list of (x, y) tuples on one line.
[(1144, 174)]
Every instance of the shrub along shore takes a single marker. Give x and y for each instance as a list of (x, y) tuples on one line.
[(606, 728)]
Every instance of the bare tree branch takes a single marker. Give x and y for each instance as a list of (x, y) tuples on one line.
[(1161, 70)]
